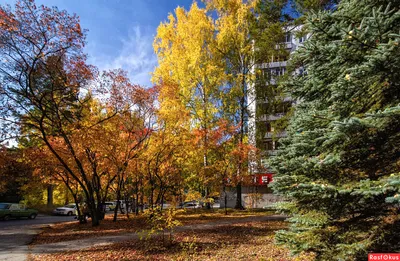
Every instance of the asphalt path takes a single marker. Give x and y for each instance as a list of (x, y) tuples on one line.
[(15, 235)]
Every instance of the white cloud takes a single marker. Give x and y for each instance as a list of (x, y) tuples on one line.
[(136, 56)]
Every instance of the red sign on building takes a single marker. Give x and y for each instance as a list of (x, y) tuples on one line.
[(262, 179), (254, 180)]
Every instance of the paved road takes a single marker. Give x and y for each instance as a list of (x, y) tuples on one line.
[(15, 235)]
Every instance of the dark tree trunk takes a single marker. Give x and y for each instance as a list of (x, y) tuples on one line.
[(225, 201), (67, 197), (95, 218), (50, 190), (141, 196), (94, 213), (118, 206), (137, 199), (127, 205), (239, 204)]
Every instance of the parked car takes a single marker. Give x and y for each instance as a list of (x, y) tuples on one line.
[(166, 205), (191, 204), (11, 210), (216, 204), (111, 205), (67, 210)]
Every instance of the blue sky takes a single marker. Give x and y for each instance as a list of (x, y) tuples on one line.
[(121, 32)]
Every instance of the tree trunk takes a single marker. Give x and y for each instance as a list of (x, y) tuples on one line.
[(141, 196), (162, 202), (67, 197), (141, 204), (94, 213), (118, 206), (239, 204), (137, 202), (50, 190), (127, 203), (151, 202), (241, 136), (225, 201), (95, 219)]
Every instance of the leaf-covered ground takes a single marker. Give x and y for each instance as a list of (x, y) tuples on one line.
[(73, 230), (244, 241)]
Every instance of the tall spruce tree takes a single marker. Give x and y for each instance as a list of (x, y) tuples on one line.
[(340, 164)]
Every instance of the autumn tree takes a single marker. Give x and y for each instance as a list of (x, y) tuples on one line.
[(47, 92), (122, 138), (169, 152), (215, 55), (49, 170), (233, 42), (42, 69), (185, 46), (159, 167)]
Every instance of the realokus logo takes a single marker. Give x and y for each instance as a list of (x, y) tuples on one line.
[(383, 256)]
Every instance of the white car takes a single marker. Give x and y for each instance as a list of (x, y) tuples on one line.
[(68, 210), (166, 206), (191, 205), (216, 205)]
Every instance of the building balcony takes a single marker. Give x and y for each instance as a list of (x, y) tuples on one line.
[(270, 135), (286, 45), (287, 98), (272, 117), (274, 64)]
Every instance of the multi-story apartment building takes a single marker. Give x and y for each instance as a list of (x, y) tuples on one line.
[(263, 115)]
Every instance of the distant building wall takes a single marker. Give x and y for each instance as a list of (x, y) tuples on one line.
[(252, 197)]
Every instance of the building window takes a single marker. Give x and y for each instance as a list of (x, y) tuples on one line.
[(268, 127), (302, 39), (282, 107), (288, 38), (263, 108), (269, 145)]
